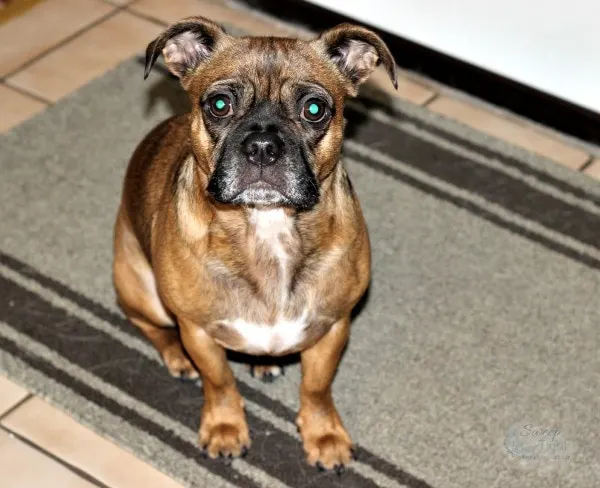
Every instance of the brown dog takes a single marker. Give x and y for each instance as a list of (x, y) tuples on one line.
[(239, 225)]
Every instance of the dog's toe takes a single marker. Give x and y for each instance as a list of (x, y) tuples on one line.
[(225, 440), (179, 365), (266, 373)]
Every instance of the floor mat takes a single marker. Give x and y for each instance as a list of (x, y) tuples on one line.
[(473, 363)]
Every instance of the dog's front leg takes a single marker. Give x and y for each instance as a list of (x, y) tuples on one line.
[(326, 442), (223, 427)]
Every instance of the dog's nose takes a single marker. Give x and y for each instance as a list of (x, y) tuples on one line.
[(262, 148)]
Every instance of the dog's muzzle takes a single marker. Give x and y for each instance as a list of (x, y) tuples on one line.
[(263, 162)]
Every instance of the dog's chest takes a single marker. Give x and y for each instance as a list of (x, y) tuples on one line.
[(276, 247), (274, 323)]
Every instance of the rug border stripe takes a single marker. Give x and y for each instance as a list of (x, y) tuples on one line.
[(57, 361), (360, 157), (482, 213), (432, 136), (117, 409), (498, 187), (262, 425), (368, 457), (565, 187)]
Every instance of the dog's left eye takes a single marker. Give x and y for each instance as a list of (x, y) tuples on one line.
[(314, 110), (220, 105)]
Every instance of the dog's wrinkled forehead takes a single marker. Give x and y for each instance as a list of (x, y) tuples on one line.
[(273, 67)]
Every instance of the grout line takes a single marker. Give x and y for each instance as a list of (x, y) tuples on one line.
[(431, 99), (15, 406), (246, 10), (23, 91), (74, 469), (514, 118), (521, 123), (149, 18), (111, 2), (63, 42), (587, 164)]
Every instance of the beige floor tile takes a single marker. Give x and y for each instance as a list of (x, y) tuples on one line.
[(16, 108), (44, 26), (21, 466), (167, 12), (86, 57), (498, 126), (10, 393), (59, 434), (408, 90), (594, 169)]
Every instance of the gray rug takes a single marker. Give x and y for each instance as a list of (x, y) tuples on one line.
[(473, 363)]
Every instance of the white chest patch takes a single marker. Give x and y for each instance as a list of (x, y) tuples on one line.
[(273, 225), (273, 228), (275, 339)]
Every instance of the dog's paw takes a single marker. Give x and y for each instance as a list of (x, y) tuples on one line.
[(178, 364), (326, 443), (224, 435), (329, 451), (266, 373)]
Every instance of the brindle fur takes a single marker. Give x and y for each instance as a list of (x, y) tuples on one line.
[(183, 259)]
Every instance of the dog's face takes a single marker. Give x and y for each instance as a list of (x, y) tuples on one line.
[(267, 116)]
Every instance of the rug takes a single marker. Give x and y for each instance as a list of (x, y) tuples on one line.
[(473, 362)]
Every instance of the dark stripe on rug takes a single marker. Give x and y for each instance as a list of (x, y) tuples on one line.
[(127, 414), (484, 151), (493, 185), (107, 359), (482, 213), (275, 406)]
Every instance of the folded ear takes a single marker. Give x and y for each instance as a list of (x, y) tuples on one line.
[(184, 45), (356, 52)]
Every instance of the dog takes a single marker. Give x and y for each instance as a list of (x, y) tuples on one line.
[(238, 226)]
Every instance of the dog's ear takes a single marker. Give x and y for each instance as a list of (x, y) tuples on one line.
[(356, 52), (185, 45)]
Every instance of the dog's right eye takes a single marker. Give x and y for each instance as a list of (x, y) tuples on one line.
[(220, 105), (314, 110)]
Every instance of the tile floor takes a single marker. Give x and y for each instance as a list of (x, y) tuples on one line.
[(34, 433), (63, 44)]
